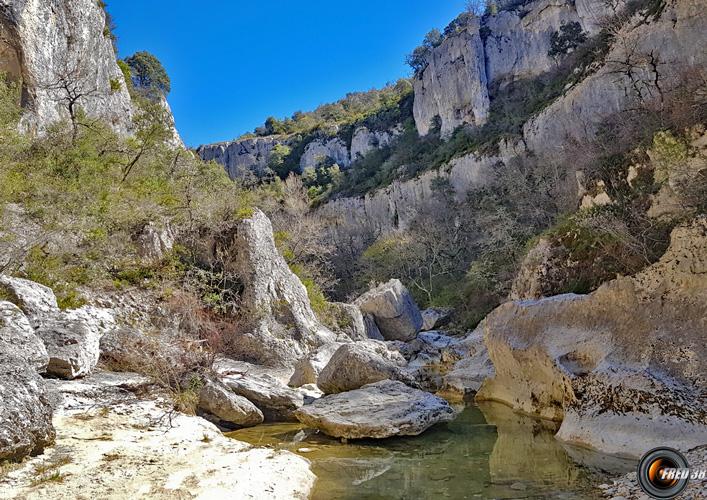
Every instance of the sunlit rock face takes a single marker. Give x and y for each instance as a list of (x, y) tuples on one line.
[(242, 156), (49, 43), (624, 367), (284, 327), (454, 86)]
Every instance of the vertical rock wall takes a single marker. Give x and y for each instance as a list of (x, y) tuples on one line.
[(44, 43)]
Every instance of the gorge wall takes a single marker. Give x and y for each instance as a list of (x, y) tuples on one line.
[(466, 72), (649, 54), (252, 154), (59, 50)]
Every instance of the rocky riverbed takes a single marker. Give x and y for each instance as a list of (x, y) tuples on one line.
[(78, 423)]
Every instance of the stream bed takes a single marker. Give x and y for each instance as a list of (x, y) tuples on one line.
[(487, 452)]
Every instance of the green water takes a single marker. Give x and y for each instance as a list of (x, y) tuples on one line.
[(487, 452)]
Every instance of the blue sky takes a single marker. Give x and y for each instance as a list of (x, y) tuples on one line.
[(234, 63)]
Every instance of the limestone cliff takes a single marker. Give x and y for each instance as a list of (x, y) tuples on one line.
[(251, 155), (242, 155), (645, 62), (454, 85), (484, 53), (61, 50), (516, 47)]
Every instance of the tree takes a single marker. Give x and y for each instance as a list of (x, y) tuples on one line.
[(568, 38), (152, 131), (276, 163), (433, 39), (70, 85), (477, 7), (148, 72), (418, 59), (274, 126)]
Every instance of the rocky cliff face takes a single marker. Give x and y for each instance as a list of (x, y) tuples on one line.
[(60, 50), (395, 207), (319, 151), (250, 155), (518, 39), (645, 62), (515, 47), (507, 46), (454, 86), (241, 156)]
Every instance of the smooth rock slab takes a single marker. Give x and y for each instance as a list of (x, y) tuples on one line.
[(381, 410)]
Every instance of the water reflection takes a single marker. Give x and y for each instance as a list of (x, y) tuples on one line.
[(487, 452)]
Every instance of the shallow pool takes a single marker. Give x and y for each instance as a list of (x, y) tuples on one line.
[(487, 452)]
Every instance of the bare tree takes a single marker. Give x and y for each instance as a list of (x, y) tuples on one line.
[(70, 86)]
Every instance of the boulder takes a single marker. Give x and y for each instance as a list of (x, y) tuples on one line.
[(18, 340), (349, 321), (25, 409), (220, 401), (307, 369), (623, 368), (285, 327), (154, 242), (434, 318), (384, 409), (393, 309), (72, 339), (274, 399), (36, 301), (359, 363), (372, 330)]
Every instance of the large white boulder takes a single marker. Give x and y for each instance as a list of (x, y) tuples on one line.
[(73, 340), (17, 337), (307, 369), (219, 401), (384, 409), (357, 364), (393, 309), (284, 327), (36, 301)]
